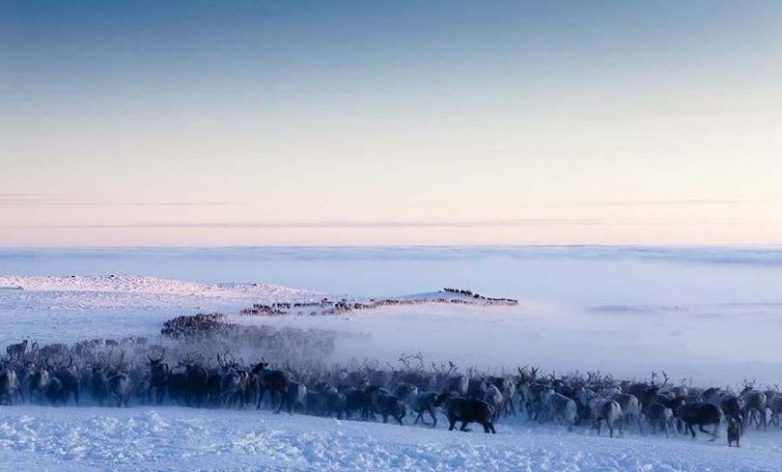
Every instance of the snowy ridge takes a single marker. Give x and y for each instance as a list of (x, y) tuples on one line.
[(137, 284), (67, 309)]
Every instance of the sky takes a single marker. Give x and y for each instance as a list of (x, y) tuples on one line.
[(203, 123)]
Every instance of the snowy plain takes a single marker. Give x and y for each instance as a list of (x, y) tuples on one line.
[(173, 438), (710, 314)]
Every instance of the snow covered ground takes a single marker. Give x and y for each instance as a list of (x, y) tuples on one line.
[(69, 309), (713, 315), (173, 438)]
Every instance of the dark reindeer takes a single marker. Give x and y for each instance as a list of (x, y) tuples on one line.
[(466, 410), (17, 351), (355, 402), (734, 408), (297, 396), (67, 383), (734, 432), (99, 383), (177, 384), (9, 385), (158, 377), (324, 400), (387, 405), (197, 383), (700, 414), (660, 416), (274, 382), (120, 385)]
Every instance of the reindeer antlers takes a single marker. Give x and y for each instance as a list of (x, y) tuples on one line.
[(369, 365), (442, 370), (405, 359)]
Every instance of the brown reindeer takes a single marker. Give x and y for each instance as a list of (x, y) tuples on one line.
[(467, 411), (273, 381)]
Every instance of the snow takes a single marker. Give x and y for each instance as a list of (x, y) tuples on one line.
[(174, 438), (72, 308), (142, 285)]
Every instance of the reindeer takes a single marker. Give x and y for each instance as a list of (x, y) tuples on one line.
[(422, 403), (508, 391), (355, 401), (775, 405), (445, 381), (412, 374), (609, 411), (560, 407), (331, 401), (39, 381), (734, 432), (67, 383), (99, 383), (369, 396), (386, 404), (535, 396), (316, 399), (646, 393), (701, 414), (733, 407), (177, 383), (476, 388), (467, 411), (530, 391), (457, 384), (9, 385), (197, 382), (231, 388), (17, 351), (120, 384), (158, 376), (273, 381), (297, 396), (406, 391), (756, 404), (631, 409), (493, 396), (660, 415), (212, 384)]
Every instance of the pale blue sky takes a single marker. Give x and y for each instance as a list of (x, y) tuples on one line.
[(225, 123)]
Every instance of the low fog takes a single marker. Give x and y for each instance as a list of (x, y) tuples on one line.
[(713, 317)]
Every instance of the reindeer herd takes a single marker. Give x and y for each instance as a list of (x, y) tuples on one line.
[(106, 372)]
